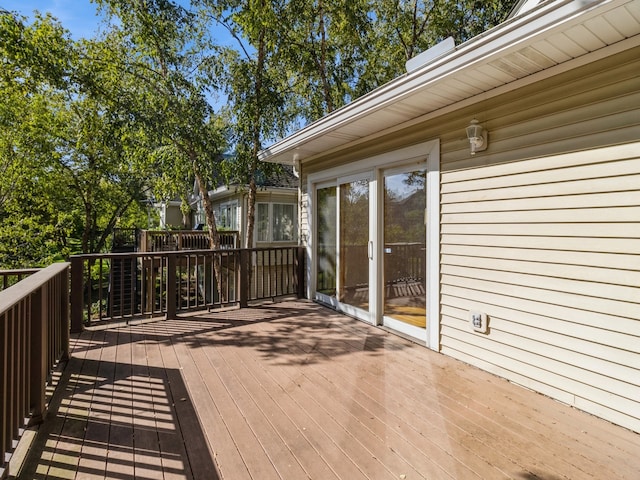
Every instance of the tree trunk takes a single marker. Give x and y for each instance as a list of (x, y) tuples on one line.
[(326, 88), (251, 213), (214, 238), (251, 207)]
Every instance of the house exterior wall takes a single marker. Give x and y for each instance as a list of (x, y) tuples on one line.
[(230, 198), (543, 236), (173, 217), (542, 233), (285, 196)]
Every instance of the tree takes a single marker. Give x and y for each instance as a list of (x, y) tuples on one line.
[(35, 67), (169, 66), (404, 28), (163, 49), (323, 47), (75, 165), (257, 101)]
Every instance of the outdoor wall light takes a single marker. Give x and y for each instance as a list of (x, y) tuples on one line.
[(477, 136)]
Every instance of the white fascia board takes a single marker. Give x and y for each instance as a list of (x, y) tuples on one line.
[(232, 190), (509, 35), (523, 6), (220, 192), (167, 203)]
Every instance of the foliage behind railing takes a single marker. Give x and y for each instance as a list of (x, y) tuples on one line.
[(11, 277), (171, 240), (125, 239), (106, 287), (34, 335)]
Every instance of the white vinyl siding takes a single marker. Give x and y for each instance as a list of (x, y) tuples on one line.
[(591, 107), (549, 248), (541, 232)]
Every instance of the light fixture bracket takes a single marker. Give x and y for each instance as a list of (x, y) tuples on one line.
[(478, 137)]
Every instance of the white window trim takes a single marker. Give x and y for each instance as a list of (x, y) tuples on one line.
[(218, 209), (270, 223)]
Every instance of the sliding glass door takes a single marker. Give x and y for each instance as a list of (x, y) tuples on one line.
[(404, 251), (326, 240), (354, 244), (343, 250), (371, 246)]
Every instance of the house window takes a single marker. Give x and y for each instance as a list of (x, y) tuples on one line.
[(227, 216), (276, 222), (199, 218)]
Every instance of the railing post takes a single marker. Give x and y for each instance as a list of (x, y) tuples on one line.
[(38, 345), (64, 314), (171, 287), (245, 258), (300, 271), (77, 294)]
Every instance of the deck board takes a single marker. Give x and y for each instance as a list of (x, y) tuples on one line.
[(170, 442), (294, 390), (329, 391), (92, 460)]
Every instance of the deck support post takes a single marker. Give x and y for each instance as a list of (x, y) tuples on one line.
[(300, 252), (64, 299), (172, 297), (245, 259), (38, 362), (77, 294)]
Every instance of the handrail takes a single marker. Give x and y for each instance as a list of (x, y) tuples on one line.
[(10, 277), (34, 335), (124, 286), (172, 240)]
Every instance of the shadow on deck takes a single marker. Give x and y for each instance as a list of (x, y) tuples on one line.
[(294, 390)]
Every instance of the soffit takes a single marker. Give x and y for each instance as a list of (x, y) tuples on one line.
[(549, 35)]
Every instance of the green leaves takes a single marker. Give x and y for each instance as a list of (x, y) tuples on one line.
[(90, 130), (34, 54), (74, 160)]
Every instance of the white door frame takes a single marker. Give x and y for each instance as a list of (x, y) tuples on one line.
[(415, 154)]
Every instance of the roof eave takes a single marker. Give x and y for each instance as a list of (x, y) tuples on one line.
[(491, 44)]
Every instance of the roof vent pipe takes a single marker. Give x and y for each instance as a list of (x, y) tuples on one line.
[(445, 46)]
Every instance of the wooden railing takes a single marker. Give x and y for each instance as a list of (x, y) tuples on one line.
[(11, 277), (171, 240), (124, 286), (34, 336)]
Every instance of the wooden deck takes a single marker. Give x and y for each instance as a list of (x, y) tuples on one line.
[(293, 391)]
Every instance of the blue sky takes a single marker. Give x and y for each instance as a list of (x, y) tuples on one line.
[(78, 16), (81, 18)]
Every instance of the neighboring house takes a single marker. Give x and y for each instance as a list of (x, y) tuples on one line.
[(171, 216), (523, 258), (276, 218)]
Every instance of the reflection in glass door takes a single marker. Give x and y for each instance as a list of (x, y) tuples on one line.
[(326, 253), (354, 244), (404, 255), (343, 249)]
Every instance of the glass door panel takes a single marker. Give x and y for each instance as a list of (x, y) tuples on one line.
[(354, 244), (326, 254), (404, 255)]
